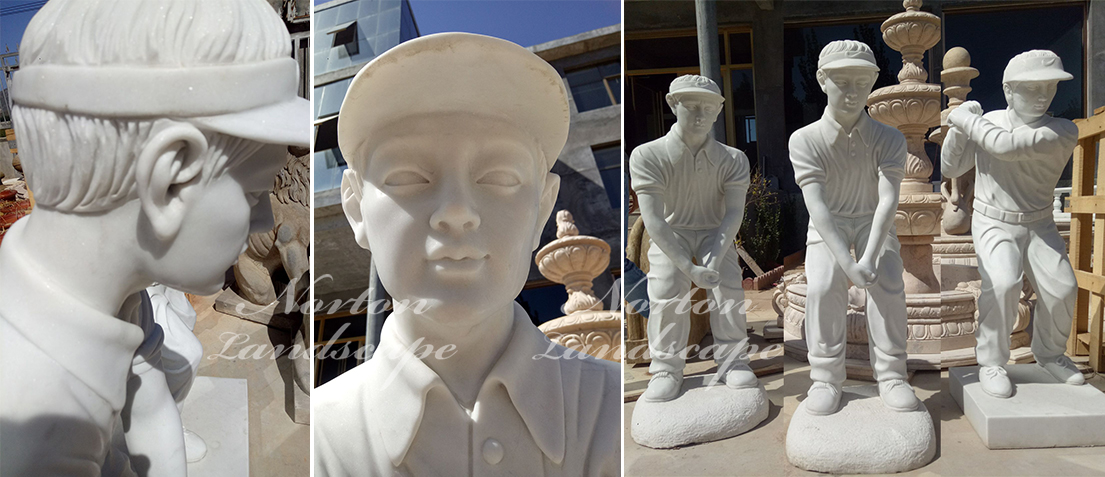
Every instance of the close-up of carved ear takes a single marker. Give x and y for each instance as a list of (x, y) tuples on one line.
[(351, 193), (548, 200), (169, 162)]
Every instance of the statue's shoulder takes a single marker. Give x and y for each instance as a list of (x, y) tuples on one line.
[(652, 149), (1064, 127)]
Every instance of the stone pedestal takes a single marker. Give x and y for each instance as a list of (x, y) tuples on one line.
[(1041, 413), (863, 437), (217, 409), (702, 413)]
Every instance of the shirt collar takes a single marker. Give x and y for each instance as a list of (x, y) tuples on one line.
[(676, 147), (96, 348), (865, 126), (398, 408)]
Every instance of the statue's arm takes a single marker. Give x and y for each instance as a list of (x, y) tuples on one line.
[(1020, 144), (736, 194), (957, 155), (661, 233), (152, 424)]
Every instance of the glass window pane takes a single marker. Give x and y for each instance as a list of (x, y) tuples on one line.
[(740, 48), (335, 94), (681, 51), (615, 83), (590, 96), (543, 304), (354, 327)]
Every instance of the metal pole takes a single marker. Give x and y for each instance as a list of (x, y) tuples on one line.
[(709, 56)]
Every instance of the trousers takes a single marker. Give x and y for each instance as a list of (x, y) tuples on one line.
[(669, 291), (827, 307), (1006, 252)]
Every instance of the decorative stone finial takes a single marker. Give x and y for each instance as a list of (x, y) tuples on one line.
[(565, 225), (957, 57), (911, 5)]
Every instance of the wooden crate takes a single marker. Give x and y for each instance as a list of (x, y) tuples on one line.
[(1087, 249)]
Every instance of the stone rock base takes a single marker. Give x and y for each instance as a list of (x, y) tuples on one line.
[(217, 410), (1041, 413), (863, 437), (702, 413)]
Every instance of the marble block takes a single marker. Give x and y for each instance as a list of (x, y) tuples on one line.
[(1041, 413), (863, 437), (217, 409), (701, 413)]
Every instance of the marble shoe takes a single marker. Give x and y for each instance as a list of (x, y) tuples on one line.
[(663, 386), (898, 395), (1064, 370), (741, 377), (823, 399), (995, 382)]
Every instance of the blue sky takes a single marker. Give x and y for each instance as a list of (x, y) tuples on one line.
[(12, 26), (525, 22)]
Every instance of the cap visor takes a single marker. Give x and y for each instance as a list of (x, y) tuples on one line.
[(281, 123), (1042, 75), (698, 92), (850, 63)]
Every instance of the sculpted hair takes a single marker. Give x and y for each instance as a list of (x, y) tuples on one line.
[(841, 46), (79, 163)]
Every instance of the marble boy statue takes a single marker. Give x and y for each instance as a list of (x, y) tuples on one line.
[(691, 189), (850, 169), (450, 139), (151, 133), (1019, 152)]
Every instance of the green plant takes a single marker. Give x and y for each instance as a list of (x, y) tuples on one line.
[(761, 229)]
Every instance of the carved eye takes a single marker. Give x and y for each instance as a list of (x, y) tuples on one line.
[(500, 179), (405, 178)]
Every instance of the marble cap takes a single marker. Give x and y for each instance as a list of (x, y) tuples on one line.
[(846, 54), (456, 73), (695, 84), (1035, 65)]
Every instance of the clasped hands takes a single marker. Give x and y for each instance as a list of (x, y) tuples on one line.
[(959, 115), (862, 273)]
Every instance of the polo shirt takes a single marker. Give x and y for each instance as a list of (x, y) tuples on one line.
[(63, 371), (534, 415), (693, 187), (848, 164)]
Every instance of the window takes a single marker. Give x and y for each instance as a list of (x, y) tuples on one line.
[(596, 87), (346, 338), (345, 34), (608, 160), (543, 303)]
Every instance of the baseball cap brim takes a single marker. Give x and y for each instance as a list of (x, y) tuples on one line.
[(1043, 74), (695, 91), (286, 123), (455, 72), (850, 63)]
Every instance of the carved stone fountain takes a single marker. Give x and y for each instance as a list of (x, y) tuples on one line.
[(575, 260)]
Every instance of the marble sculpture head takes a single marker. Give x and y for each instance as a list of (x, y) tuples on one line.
[(846, 72), (173, 126), (448, 181), (1030, 80)]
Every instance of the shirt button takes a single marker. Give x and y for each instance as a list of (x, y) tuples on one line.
[(492, 451)]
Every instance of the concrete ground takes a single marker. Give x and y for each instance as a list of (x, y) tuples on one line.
[(761, 451), (277, 445)]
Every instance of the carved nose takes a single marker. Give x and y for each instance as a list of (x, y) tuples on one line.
[(455, 217)]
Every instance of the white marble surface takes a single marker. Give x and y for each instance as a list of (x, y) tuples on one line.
[(701, 413), (863, 437), (218, 410), (1040, 413)]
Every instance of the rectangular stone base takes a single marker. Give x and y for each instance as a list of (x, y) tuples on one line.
[(1041, 413), (217, 410)]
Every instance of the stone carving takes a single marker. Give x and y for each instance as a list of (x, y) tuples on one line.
[(958, 192), (285, 246), (575, 260), (855, 204), (147, 151), (691, 191), (1019, 154), (449, 186)]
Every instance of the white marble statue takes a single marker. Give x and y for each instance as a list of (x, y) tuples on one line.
[(450, 138), (691, 189), (150, 133), (1019, 153), (850, 169), (181, 353)]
